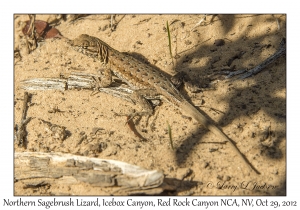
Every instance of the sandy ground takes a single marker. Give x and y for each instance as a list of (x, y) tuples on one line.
[(251, 112)]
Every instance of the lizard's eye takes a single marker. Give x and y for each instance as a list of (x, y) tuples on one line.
[(85, 45)]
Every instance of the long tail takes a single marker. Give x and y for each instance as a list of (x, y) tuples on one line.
[(193, 112)]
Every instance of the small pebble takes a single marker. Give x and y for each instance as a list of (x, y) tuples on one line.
[(219, 42)]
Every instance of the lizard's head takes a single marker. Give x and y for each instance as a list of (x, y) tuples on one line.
[(83, 41), (90, 46), (86, 45)]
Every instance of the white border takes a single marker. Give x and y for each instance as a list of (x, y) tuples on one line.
[(117, 6)]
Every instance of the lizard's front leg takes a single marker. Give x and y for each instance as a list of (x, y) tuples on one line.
[(104, 79)]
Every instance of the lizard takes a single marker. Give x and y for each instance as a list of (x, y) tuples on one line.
[(145, 80)]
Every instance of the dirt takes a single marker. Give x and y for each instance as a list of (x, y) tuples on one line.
[(252, 112)]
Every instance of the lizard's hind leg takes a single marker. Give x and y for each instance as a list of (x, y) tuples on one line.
[(140, 98)]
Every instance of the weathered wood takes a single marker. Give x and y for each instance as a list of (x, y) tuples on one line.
[(80, 80), (40, 169)]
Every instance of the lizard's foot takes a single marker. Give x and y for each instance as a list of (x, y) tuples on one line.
[(193, 86), (134, 114), (179, 78)]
